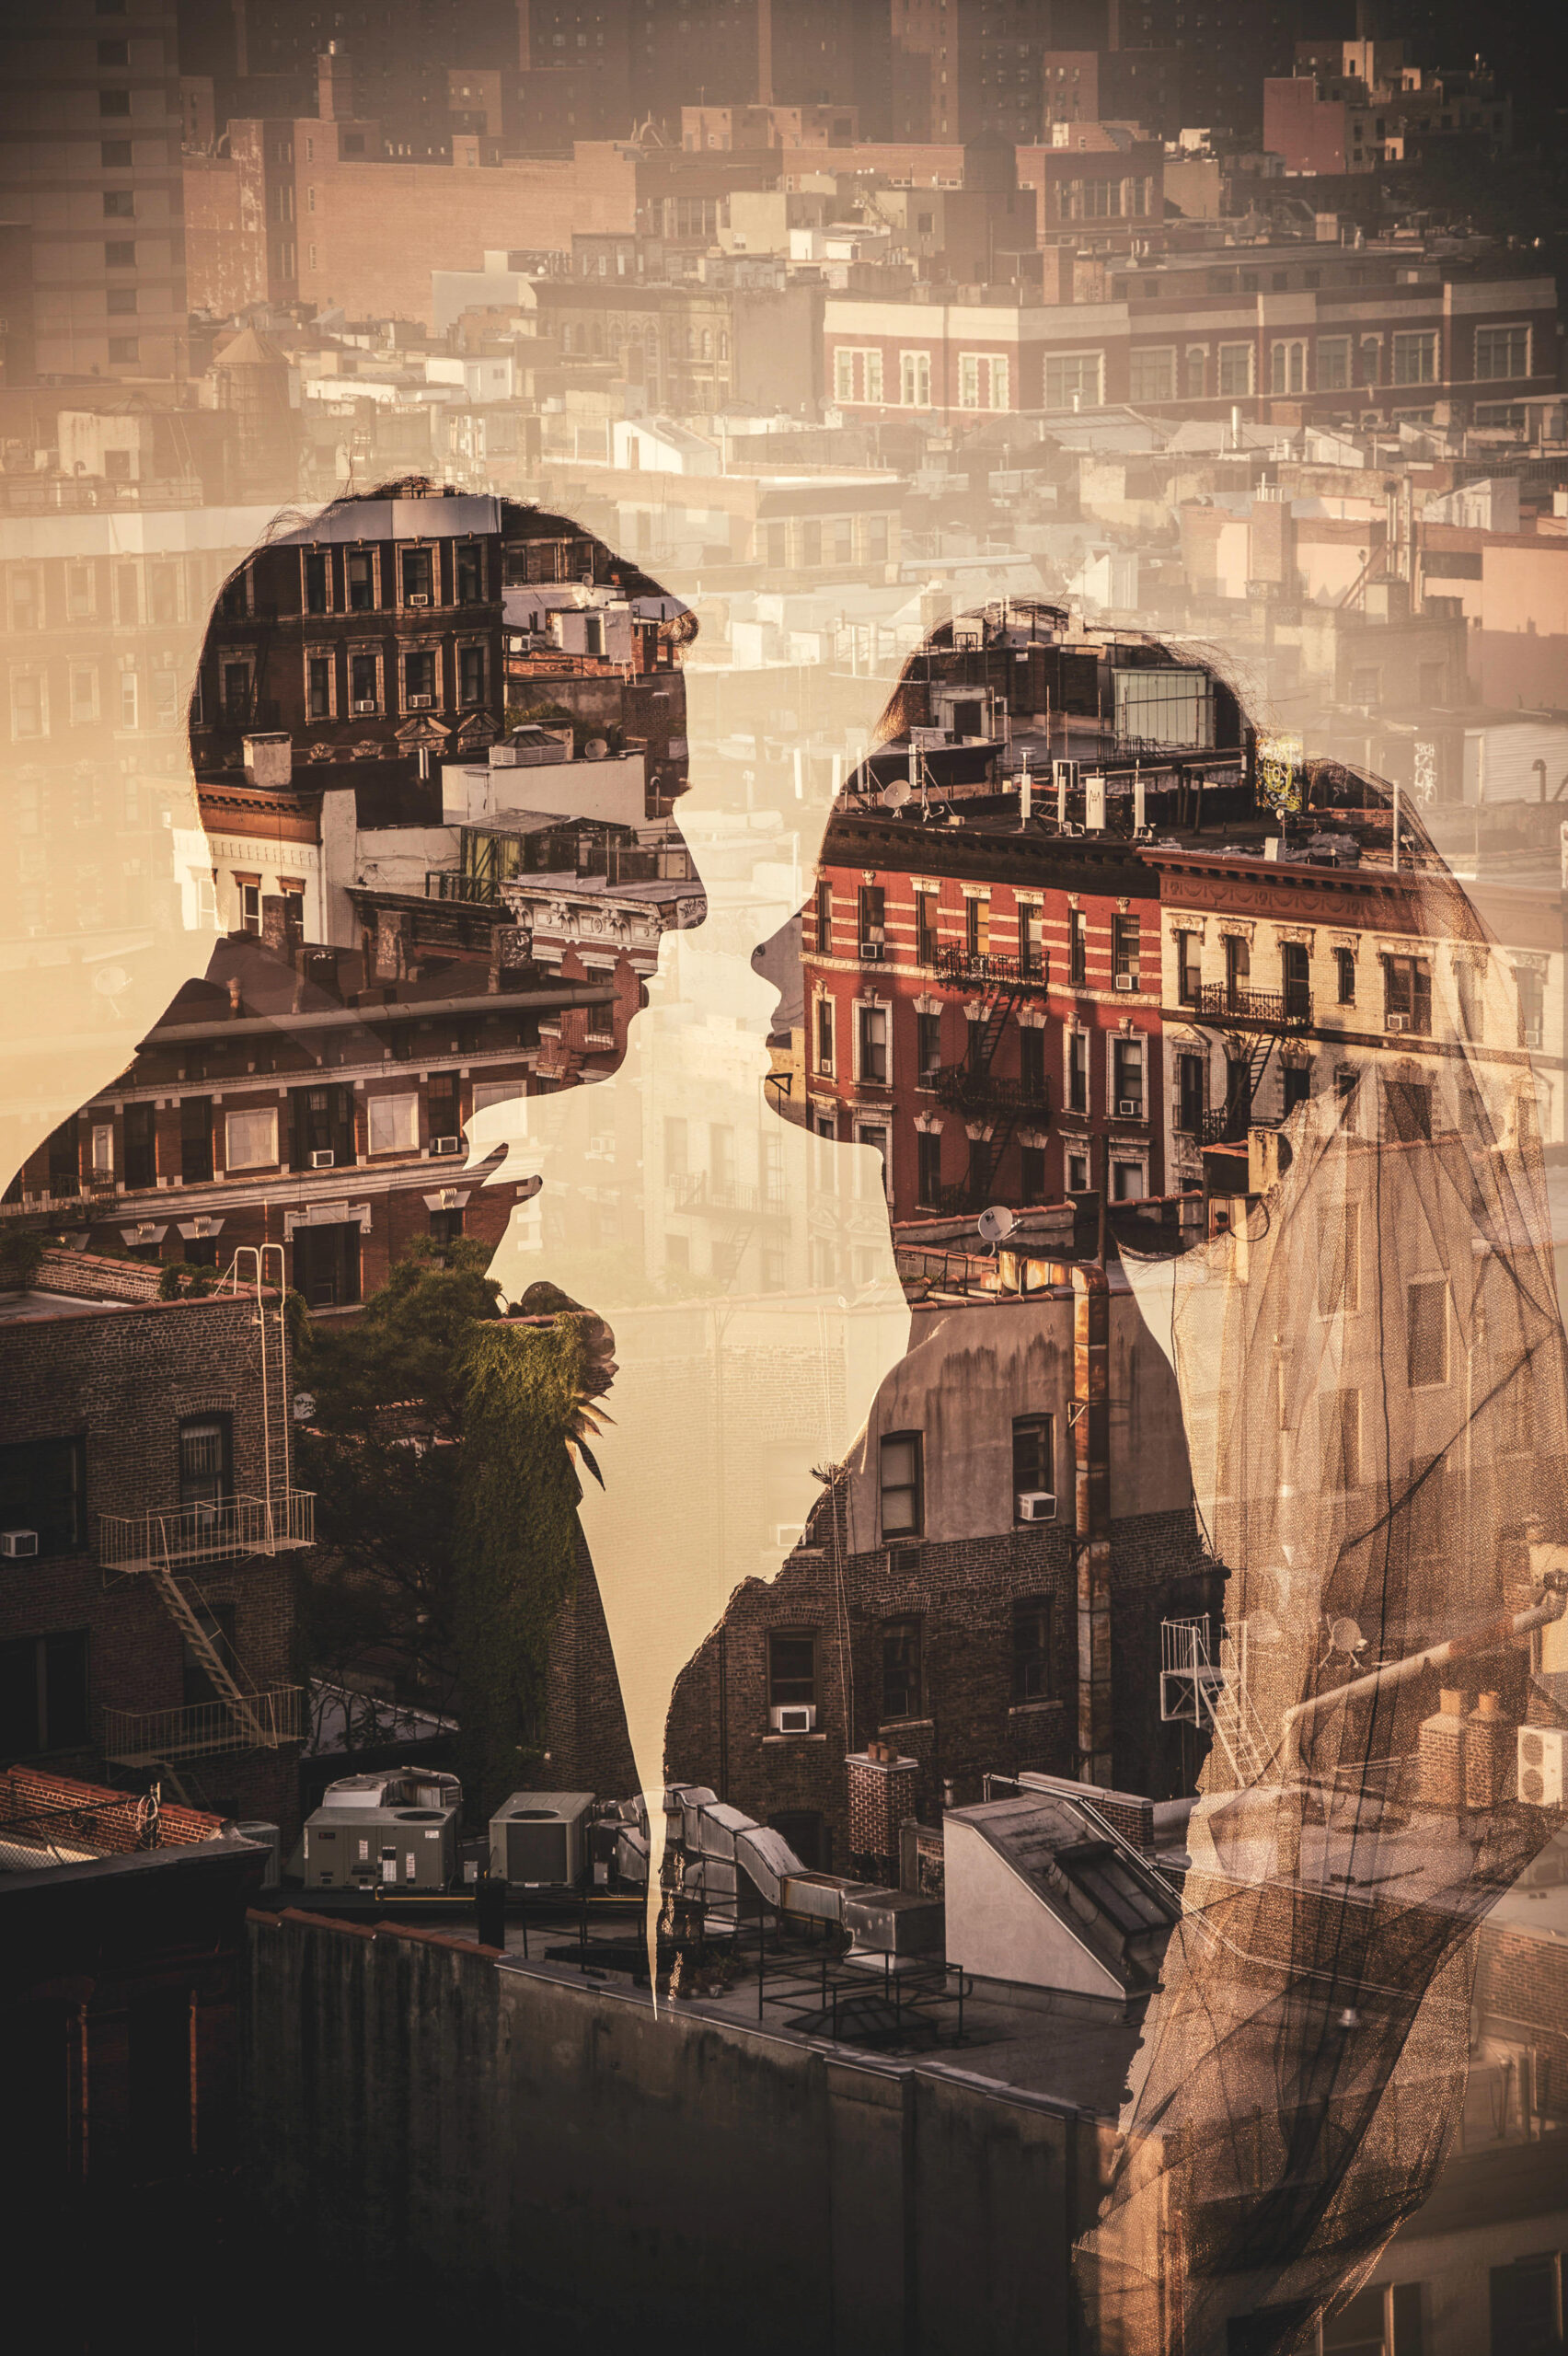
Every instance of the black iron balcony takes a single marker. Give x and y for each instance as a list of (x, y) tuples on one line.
[(964, 1090), (982, 969), (1287, 1009)]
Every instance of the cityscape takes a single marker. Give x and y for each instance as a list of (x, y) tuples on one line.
[(784, 1238)]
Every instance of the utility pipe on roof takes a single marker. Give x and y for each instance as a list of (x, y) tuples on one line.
[(406, 1011), (1484, 1639)]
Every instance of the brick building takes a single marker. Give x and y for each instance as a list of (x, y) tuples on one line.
[(316, 1098), (149, 1621), (921, 1604)]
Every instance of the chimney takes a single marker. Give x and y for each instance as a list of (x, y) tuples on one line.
[(882, 1798), (1441, 1758), (236, 1003), (1488, 1755), (269, 761)]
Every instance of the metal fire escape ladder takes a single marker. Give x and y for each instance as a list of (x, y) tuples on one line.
[(183, 1613), (1194, 1687), (986, 1153)]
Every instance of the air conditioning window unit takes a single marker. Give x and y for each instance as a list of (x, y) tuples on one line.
[(367, 705), (1398, 1022), (1129, 1108), (873, 951), (1126, 981), (323, 1160), (446, 1145), (15, 1545), (793, 1717), (789, 1534), (420, 703), (1035, 1505), (1542, 1753), (418, 597), (539, 1839)]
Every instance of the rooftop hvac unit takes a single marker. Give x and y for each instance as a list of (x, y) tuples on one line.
[(1129, 1108), (367, 705), (266, 1836), (15, 1545), (1542, 1753), (539, 1839), (793, 1717), (1035, 1505), (323, 1160), (366, 1847), (446, 1145)]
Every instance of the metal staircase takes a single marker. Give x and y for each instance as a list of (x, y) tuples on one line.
[(1196, 1688)]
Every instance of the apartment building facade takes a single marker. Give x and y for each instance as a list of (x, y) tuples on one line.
[(983, 1007), (148, 1620)]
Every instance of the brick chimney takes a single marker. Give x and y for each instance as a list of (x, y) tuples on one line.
[(1488, 1755), (1441, 1758), (268, 760), (882, 1798)]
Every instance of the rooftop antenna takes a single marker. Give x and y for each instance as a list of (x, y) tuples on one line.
[(994, 1225)]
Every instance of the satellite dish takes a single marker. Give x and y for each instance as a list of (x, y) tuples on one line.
[(893, 796), (996, 1223), (594, 749)]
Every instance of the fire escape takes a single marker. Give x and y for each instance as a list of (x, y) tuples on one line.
[(1252, 1023), (989, 1102), (166, 1544)]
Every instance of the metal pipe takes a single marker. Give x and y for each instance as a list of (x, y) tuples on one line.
[(1483, 1639), (344, 1018)]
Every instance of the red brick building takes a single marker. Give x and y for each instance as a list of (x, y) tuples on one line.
[(984, 1005), (148, 1623)]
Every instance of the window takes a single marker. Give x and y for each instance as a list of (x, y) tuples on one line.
[(417, 575), (1073, 379), (314, 581), (1297, 1084), (418, 677), (1127, 1058), (120, 253), (250, 905), (195, 1139), (1077, 1071), (1077, 948), (43, 1694), (1409, 1111), (825, 916), (1339, 1262), (926, 927), (1527, 2306), (927, 1044), (114, 154), (363, 690), (1415, 356), (1341, 1412), (791, 1668), (447, 1226), (119, 204), (1295, 976), (1152, 373), (1502, 352), (872, 1042), (318, 686), (250, 1138), (1031, 938), (824, 1036), (43, 1487), (977, 924), (124, 349), (1426, 1333), (901, 1668), (874, 924), (1188, 968), (141, 1145), (470, 676), (237, 692), (206, 1459), (903, 1514), (1033, 1459), (470, 573), (1195, 372), (1031, 1173), (1126, 1182), (1531, 992), (394, 1122), (114, 102), (983, 381), (915, 379), (811, 542), (1344, 973), (360, 574), (1030, 1649), (1031, 1067), (1235, 370), (1407, 994), (323, 1123), (1287, 367), (929, 1167), (1191, 1075), (1334, 363), (1125, 939)]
